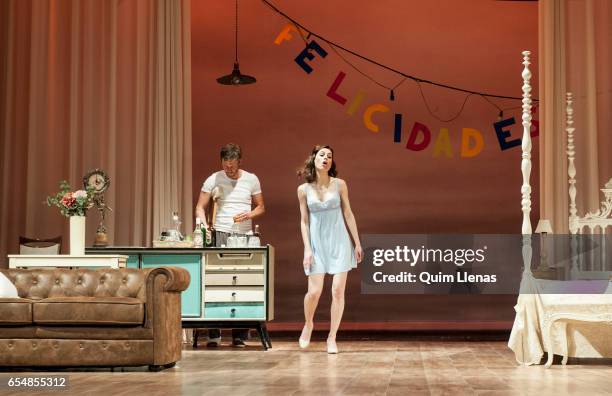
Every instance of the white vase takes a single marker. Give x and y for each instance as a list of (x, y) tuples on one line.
[(77, 235)]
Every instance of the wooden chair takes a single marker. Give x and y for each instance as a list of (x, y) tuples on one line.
[(40, 246)]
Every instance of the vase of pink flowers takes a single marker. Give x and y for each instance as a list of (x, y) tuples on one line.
[(73, 204)]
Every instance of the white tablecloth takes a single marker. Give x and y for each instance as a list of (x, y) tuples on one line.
[(584, 339)]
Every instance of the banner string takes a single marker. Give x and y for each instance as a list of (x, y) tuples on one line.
[(335, 47)]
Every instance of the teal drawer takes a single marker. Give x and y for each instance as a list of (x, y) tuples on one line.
[(133, 261), (238, 311), (190, 298)]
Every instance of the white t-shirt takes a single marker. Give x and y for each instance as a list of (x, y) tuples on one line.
[(235, 197)]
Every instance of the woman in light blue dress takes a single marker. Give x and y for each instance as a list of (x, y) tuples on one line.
[(328, 249)]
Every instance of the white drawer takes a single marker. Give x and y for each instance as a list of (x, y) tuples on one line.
[(231, 294), (234, 279), (234, 268), (235, 261)]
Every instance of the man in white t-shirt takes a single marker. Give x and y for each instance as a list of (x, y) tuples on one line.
[(239, 201)]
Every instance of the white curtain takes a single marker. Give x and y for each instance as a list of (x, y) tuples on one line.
[(95, 84), (575, 51)]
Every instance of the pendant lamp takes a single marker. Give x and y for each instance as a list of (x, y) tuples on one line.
[(235, 77)]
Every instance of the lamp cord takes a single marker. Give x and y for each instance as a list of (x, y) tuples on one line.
[(236, 31)]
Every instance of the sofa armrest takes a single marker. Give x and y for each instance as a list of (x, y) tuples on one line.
[(163, 311), (162, 281), (177, 279)]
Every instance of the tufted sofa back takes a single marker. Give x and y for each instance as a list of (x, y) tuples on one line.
[(62, 282)]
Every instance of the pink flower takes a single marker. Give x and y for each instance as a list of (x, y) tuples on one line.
[(68, 200), (80, 194)]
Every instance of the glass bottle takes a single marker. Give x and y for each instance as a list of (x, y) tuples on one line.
[(255, 240), (207, 236), (204, 233), (177, 227), (198, 237), (213, 236)]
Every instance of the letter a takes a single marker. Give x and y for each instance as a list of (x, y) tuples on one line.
[(443, 144)]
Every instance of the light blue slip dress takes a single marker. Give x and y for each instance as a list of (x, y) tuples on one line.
[(332, 248)]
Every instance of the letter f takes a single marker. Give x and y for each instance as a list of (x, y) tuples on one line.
[(285, 34)]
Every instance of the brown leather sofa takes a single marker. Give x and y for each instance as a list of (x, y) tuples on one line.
[(89, 317)]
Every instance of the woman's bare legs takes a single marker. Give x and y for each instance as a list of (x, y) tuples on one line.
[(311, 299), (337, 308)]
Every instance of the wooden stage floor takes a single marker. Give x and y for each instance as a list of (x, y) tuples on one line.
[(363, 367)]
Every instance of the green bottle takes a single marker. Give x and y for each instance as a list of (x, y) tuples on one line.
[(204, 235)]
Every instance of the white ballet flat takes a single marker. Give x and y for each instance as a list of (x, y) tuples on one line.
[(303, 343), (332, 348)]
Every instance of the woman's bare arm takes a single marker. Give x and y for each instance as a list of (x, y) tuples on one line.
[(305, 226), (350, 218)]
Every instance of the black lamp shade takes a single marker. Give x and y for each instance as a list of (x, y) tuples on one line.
[(236, 78)]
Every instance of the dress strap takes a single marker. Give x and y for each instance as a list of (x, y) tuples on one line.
[(337, 187)]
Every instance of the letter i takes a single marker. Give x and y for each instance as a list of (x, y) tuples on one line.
[(355, 103), (397, 135)]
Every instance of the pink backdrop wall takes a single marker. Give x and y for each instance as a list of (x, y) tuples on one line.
[(476, 45)]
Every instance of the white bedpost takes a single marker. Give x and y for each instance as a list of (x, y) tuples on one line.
[(526, 146), (526, 163), (571, 168), (527, 285), (571, 173)]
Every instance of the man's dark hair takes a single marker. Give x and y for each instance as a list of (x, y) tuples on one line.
[(231, 151)]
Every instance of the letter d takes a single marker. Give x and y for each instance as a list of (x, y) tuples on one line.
[(467, 135), (412, 144)]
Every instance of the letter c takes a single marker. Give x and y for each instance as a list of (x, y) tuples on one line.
[(367, 116)]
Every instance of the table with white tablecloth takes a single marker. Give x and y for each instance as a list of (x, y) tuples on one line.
[(572, 325)]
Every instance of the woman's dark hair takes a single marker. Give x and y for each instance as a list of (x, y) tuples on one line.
[(308, 171), (231, 151)]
